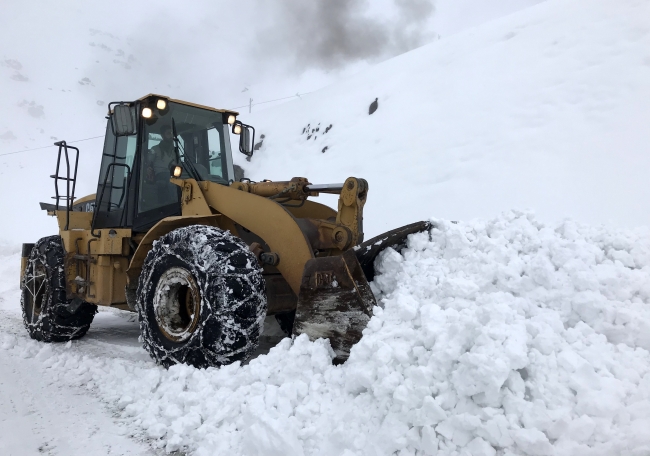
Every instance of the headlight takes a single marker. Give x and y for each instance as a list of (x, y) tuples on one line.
[(237, 129), (231, 119), (177, 171), (146, 113), (161, 104)]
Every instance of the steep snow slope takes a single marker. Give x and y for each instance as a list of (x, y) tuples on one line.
[(545, 109)]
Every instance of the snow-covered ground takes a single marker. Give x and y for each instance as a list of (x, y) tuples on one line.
[(41, 415), (500, 335), (505, 333)]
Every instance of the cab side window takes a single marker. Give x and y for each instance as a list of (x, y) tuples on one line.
[(215, 157), (117, 163), (116, 169), (155, 190)]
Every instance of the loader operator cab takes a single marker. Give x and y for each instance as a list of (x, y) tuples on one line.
[(145, 141)]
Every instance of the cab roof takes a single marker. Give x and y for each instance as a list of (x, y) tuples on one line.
[(187, 103)]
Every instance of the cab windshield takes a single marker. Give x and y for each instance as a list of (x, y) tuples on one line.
[(203, 152)]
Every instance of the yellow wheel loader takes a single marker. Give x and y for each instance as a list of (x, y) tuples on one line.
[(202, 258)]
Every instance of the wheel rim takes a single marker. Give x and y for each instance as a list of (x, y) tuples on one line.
[(177, 304), (36, 289)]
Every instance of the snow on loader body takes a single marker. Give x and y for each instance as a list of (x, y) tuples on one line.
[(202, 258)]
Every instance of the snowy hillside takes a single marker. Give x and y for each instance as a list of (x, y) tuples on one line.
[(546, 109)]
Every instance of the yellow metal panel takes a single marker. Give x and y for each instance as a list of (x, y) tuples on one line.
[(108, 280), (192, 200), (78, 220), (270, 221), (23, 267), (111, 242), (313, 210), (187, 103), (70, 237), (107, 266), (85, 198)]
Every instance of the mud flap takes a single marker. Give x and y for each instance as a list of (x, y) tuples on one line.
[(335, 302)]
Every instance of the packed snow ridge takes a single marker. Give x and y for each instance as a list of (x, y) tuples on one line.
[(504, 336)]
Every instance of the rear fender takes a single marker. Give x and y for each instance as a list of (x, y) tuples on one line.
[(156, 232)]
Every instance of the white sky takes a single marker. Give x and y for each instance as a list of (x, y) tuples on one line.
[(204, 51)]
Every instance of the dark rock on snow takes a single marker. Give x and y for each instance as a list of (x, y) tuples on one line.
[(373, 106)]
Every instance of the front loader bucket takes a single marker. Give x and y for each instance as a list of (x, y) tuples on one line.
[(335, 300), (368, 251)]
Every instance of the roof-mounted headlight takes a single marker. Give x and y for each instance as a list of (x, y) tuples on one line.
[(161, 104), (147, 113)]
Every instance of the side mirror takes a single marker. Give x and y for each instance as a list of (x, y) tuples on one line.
[(245, 146), (124, 120), (246, 138)]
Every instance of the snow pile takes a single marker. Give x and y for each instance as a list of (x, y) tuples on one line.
[(516, 335), (494, 337)]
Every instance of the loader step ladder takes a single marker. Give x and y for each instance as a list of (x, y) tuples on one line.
[(69, 178)]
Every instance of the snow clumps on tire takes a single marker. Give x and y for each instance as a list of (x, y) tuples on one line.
[(201, 298), (47, 314)]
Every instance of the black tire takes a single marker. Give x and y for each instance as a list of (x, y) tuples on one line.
[(47, 314), (201, 298)]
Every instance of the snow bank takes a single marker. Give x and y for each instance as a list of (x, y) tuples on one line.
[(516, 335), (493, 337)]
